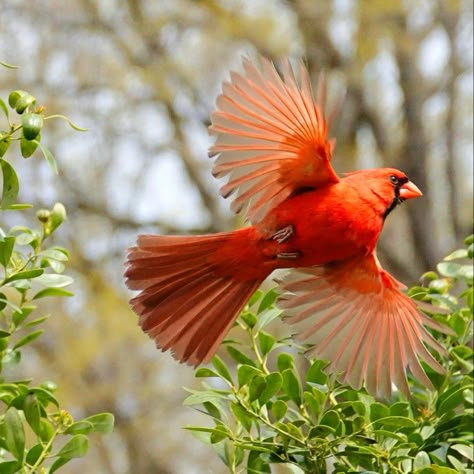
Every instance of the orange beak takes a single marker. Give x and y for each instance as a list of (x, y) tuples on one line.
[(409, 191)]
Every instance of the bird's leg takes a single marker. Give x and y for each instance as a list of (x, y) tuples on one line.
[(283, 234)]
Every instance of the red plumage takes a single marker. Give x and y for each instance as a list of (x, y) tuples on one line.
[(272, 144)]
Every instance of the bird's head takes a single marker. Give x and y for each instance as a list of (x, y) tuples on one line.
[(389, 185)]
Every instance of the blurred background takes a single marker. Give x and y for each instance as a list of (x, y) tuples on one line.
[(142, 76)]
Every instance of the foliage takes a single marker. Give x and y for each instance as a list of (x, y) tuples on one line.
[(36, 434), (268, 411)]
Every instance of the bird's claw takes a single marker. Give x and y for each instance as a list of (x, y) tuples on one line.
[(283, 234), (288, 255)]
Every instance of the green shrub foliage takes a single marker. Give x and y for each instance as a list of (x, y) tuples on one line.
[(36, 433), (275, 407)]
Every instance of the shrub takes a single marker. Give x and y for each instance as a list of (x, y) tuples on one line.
[(266, 411), (35, 431)]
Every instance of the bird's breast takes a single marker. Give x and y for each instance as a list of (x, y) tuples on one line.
[(333, 223)]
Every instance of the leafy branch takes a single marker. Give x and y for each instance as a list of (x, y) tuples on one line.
[(272, 412), (35, 432)]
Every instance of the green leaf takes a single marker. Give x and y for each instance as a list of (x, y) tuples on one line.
[(312, 403), (10, 467), (274, 382), (33, 454), (437, 470), (279, 409), (377, 411), (28, 147), (198, 398), (455, 270), (205, 372), (25, 238), (46, 430), (220, 433), (267, 317), (3, 106), (256, 387), (331, 418), (456, 255), (239, 356), (400, 409), (11, 358), (28, 338), (6, 249), (258, 295), (291, 386), (450, 399), (257, 465), (31, 409), (395, 421), (45, 396), (284, 361), (80, 427), (19, 316), (458, 465), (49, 158), (267, 300), (101, 422), (54, 280), (5, 142), (60, 462), (76, 447), (315, 373), (11, 185), (14, 434), (421, 460), (389, 434), (52, 292), (55, 254), (25, 275), (245, 374), (464, 450), (249, 319), (221, 368), (213, 410), (266, 342), (241, 414)]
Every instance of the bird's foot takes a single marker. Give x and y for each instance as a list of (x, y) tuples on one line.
[(288, 255), (283, 234)]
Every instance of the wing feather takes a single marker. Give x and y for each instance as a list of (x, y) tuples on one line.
[(271, 137), (354, 314)]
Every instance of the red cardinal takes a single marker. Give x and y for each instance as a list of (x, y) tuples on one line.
[(272, 144)]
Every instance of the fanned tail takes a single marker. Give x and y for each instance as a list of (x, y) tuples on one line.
[(189, 293)]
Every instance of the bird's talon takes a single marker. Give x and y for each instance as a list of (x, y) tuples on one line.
[(284, 234), (288, 255)]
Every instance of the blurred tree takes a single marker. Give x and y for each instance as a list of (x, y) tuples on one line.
[(143, 76)]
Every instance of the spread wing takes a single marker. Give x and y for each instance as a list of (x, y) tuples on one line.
[(354, 315), (271, 137)]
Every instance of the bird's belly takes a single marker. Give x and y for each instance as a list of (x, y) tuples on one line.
[(323, 231)]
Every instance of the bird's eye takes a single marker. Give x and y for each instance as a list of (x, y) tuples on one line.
[(394, 179)]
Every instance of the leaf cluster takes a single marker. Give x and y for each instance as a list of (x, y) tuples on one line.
[(36, 433), (268, 410)]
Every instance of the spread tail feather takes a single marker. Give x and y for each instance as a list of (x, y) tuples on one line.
[(189, 296)]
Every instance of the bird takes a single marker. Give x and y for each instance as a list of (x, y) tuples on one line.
[(272, 144)]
